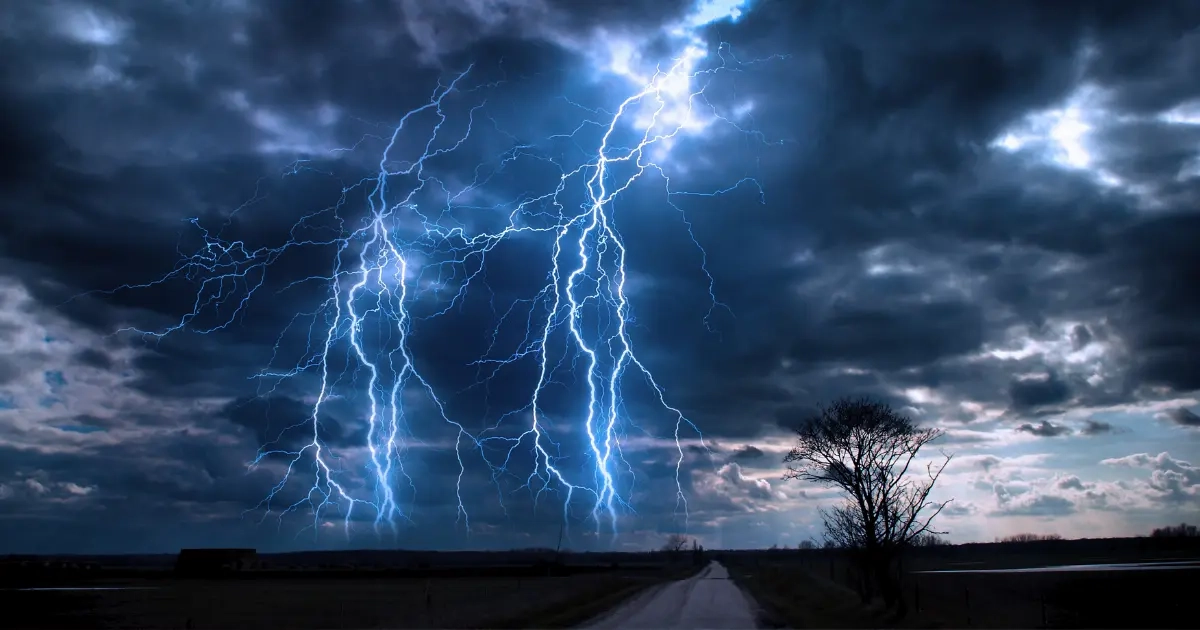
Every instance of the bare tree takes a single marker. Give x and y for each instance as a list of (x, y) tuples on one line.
[(867, 449), (675, 543)]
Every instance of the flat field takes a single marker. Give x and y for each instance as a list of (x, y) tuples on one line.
[(801, 589), (1085, 599), (313, 602)]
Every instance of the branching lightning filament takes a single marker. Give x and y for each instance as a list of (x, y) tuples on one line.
[(409, 257)]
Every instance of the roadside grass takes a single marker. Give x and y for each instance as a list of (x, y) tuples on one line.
[(791, 597), (794, 597), (316, 604), (810, 588), (591, 603)]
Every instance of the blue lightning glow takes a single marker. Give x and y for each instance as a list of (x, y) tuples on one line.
[(384, 269)]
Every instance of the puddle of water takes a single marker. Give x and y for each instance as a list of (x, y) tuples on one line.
[(1121, 566)]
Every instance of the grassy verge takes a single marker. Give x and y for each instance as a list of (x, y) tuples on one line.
[(792, 597), (591, 603)]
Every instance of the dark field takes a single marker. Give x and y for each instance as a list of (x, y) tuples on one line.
[(314, 603), (813, 588), (432, 597)]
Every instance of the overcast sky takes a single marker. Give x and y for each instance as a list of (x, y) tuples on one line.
[(984, 213)]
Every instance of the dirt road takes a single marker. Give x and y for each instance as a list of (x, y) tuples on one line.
[(707, 600)]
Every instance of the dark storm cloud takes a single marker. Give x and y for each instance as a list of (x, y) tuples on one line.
[(892, 249), (1136, 64), (1184, 417), (1039, 391), (278, 422), (895, 337), (184, 473), (1096, 427), (1044, 429), (748, 454), (1070, 483), (1166, 330), (92, 357), (10, 369), (1039, 505), (1081, 336), (1082, 221)]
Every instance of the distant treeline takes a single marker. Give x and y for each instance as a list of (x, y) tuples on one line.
[(1182, 530), (1021, 538)]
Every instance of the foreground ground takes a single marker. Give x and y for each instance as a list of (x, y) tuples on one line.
[(945, 587), (708, 599), (311, 603), (959, 587)]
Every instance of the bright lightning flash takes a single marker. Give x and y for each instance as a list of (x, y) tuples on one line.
[(384, 268)]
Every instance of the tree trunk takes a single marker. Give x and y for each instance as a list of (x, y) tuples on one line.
[(889, 584), (864, 574), (884, 578)]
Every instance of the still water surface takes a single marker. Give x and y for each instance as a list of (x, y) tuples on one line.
[(1173, 565)]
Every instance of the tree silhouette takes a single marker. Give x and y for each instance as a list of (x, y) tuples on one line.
[(1183, 530), (1026, 537), (867, 449), (675, 543)]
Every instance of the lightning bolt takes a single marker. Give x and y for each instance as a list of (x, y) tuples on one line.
[(384, 269)]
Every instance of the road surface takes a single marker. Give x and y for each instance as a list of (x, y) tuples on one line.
[(707, 600)]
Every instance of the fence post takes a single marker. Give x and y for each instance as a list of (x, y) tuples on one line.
[(1045, 621), (917, 595), (967, 591)]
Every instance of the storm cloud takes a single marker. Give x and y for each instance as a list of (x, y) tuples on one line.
[(983, 213)]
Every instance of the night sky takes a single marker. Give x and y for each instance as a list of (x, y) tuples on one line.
[(983, 213)]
